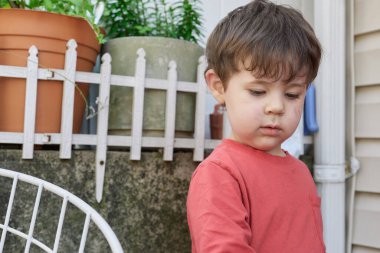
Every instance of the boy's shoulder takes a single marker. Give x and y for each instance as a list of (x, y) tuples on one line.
[(225, 153), (218, 167), (220, 156), (228, 159)]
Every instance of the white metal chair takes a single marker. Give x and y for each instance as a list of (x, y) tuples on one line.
[(66, 197)]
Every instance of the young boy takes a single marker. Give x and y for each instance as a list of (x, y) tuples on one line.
[(249, 195)]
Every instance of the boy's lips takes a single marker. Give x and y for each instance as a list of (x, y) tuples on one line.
[(271, 130)]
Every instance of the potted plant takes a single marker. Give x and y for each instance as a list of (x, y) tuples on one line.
[(42, 23), (166, 32)]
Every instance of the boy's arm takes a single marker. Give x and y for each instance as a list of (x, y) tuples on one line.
[(217, 217)]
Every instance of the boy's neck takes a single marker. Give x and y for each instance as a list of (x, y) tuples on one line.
[(279, 152), (275, 152)]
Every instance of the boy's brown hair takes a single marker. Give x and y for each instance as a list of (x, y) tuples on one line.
[(267, 39)]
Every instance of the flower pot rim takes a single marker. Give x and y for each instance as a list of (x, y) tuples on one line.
[(45, 13), (155, 38), (38, 15)]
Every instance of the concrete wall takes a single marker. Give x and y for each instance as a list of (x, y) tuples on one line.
[(144, 202)]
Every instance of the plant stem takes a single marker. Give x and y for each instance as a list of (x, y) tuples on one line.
[(13, 4)]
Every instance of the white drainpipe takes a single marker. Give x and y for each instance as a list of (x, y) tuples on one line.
[(329, 167)]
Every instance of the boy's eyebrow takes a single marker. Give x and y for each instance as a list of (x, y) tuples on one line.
[(259, 81), (296, 84), (263, 82)]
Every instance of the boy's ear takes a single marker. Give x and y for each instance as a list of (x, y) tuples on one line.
[(215, 85)]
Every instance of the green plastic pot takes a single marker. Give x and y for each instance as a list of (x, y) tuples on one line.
[(159, 52)]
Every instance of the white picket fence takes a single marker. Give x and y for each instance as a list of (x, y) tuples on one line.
[(136, 141)]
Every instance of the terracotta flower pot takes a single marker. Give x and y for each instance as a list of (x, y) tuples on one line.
[(19, 30)]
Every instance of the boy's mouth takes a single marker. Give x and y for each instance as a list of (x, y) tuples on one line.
[(271, 130)]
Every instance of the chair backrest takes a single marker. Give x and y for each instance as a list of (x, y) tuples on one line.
[(90, 214)]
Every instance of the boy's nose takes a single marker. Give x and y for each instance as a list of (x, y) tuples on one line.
[(275, 106)]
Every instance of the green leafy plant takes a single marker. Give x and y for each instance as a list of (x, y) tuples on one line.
[(88, 9), (181, 19)]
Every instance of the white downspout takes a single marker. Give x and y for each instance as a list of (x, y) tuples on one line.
[(329, 167)]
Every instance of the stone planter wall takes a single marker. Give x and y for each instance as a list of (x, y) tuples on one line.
[(144, 202)]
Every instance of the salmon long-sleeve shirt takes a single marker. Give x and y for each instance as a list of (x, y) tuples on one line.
[(243, 200)]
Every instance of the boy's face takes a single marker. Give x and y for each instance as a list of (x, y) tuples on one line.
[(263, 112)]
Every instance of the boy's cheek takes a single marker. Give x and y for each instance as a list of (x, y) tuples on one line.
[(298, 111), (300, 106)]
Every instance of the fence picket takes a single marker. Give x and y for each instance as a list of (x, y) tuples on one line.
[(171, 95), (199, 133), (30, 104), (138, 105), (68, 100), (103, 110)]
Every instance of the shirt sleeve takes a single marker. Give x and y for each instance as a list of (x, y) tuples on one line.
[(217, 218)]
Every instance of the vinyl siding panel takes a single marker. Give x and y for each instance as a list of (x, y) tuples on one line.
[(367, 41), (367, 220), (367, 18), (368, 121), (359, 249), (368, 180), (366, 213), (367, 67), (367, 53), (368, 148)]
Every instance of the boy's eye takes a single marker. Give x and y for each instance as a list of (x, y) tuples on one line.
[(292, 95), (257, 92)]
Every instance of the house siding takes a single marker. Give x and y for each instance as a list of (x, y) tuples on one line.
[(366, 53)]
